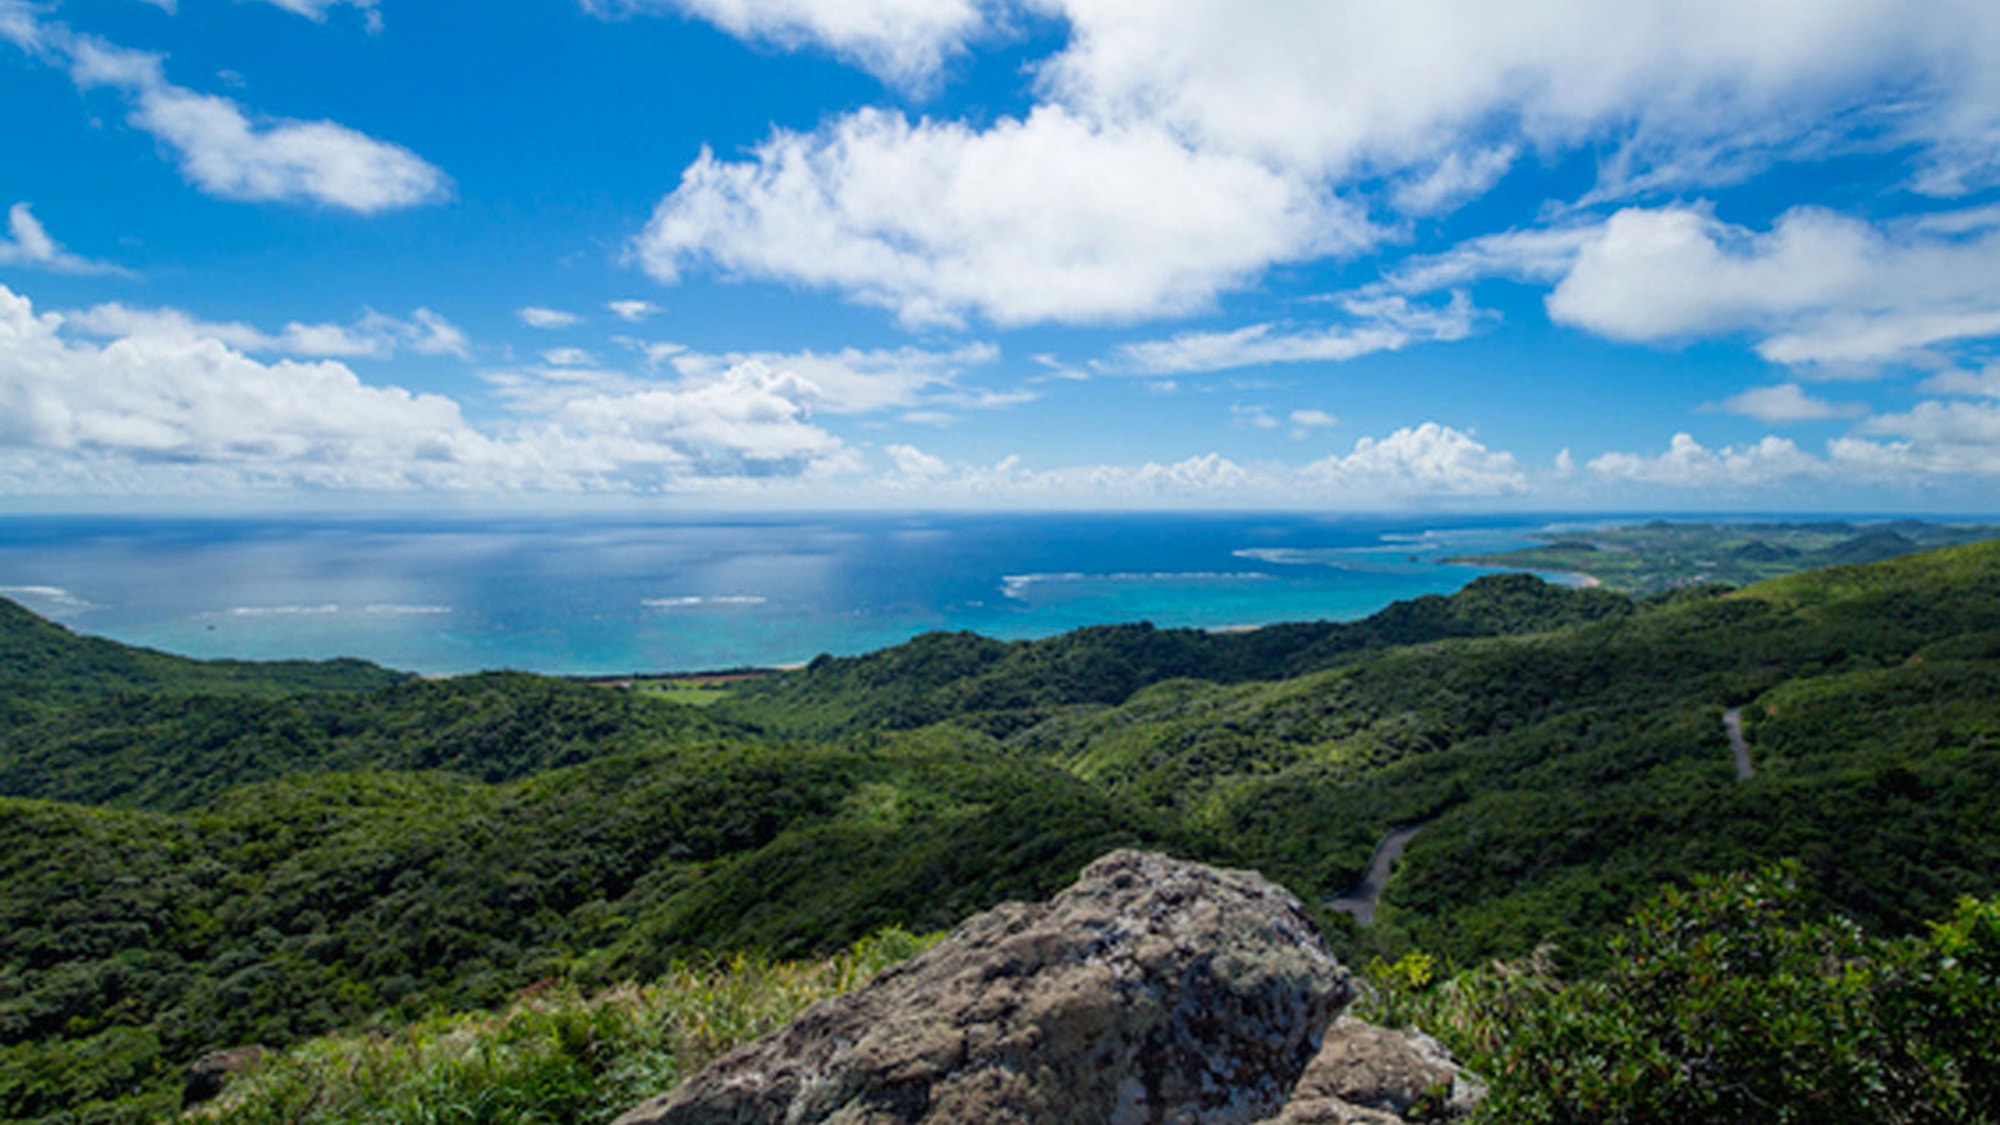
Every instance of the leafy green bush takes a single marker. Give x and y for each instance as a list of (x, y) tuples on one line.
[(1732, 1002)]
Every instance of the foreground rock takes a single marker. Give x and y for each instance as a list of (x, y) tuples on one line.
[(1153, 990), (1369, 1074)]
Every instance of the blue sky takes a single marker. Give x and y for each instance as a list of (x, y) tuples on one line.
[(1542, 254)]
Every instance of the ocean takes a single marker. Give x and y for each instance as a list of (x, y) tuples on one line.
[(614, 596)]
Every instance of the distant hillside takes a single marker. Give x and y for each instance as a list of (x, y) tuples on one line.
[(1652, 557), (175, 751), (42, 663), (1002, 687)]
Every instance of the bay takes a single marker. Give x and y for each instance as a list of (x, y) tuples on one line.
[(611, 596)]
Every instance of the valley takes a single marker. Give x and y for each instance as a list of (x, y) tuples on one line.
[(203, 856)]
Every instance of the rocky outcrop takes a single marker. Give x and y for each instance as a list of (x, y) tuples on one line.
[(1152, 991), (1365, 1073), (209, 1074)]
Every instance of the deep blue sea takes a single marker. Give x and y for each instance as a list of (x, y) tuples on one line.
[(604, 596)]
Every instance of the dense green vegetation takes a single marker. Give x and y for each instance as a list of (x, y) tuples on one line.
[(43, 664), (979, 682), (171, 752), (1657, 556), (1732, 1003), (206, 855)]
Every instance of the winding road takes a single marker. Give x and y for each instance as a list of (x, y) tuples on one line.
[(1360, 902), (1732, 721)]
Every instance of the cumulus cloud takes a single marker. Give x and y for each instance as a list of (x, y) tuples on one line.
[(904, 42), (28, 244), (221, 150), (1932, 438), (1689, 464), (915, 464), (1702, 90), (173, 410), (1429, 459), (373, 336), (1046, 218), (1820, 290), (1380, 324), (179, 400), (856, 380), (750, 422), (1181, 148), (1788, 402), (1410, 465), (537, 317)]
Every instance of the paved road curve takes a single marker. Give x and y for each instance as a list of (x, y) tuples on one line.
[(1732, 721), (1360, 902)]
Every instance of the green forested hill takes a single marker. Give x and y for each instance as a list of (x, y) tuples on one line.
[(42, 664), (1002, 687), (291, 908), (271, 862), (175, 751)]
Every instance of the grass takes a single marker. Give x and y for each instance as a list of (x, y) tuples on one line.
[(554, 1055), (688, 693)]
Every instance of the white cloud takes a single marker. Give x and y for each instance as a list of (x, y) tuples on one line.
[(1381, 324), (751, 422), (1252, 418), (1708, 88), (857, 381), (1181, 148), (316, 10), (1936, 438), (904, 42), (373, 336), (1689, 464), (1976, 384), (1565, 464), (568, 357), (535, 317), (1456, 177), (224, 153), (1429, 459), (1304, 422), (915, 463), (1050, 218), (220, 149), (1408, 466), (161, 411), (1542, 254), (632, 311), (1787, 402), (28, 244), (188, 400), (1821, 290)]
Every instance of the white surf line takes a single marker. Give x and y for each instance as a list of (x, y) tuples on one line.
[(1360, 902), (1732, 722)]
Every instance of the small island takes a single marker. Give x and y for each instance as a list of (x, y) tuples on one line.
[(1661, 555)]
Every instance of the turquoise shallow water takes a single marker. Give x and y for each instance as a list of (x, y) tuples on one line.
[(607, 596)]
